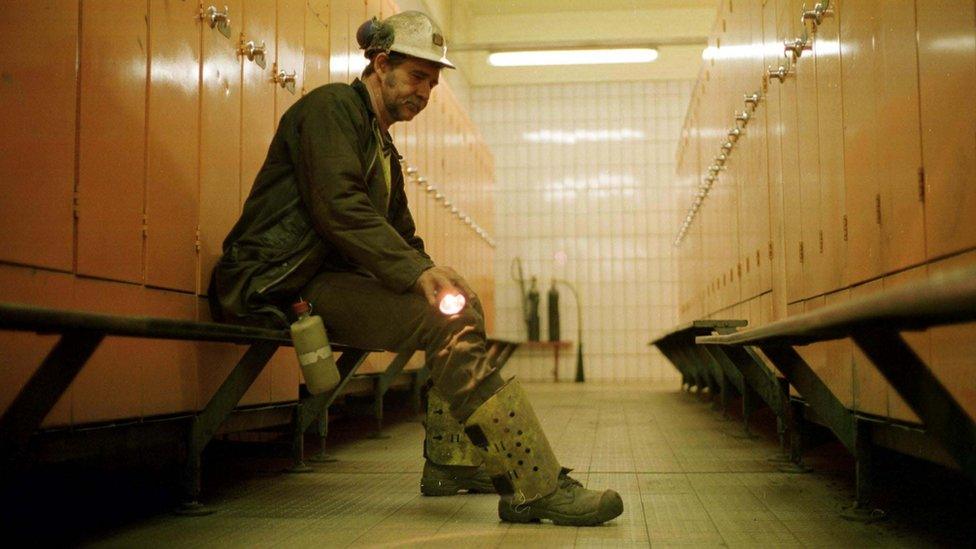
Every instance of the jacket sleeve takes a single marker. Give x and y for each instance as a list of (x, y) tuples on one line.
[(331, 170)]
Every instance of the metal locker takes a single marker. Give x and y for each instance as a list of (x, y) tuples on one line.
[(808, 157), (858, 27), (838, 364), (953, 348), (900, 141), (870, 387), (830, 238), (289, 66), (342, 36), (317, 45), (22, 352), (920, 342), (112, 141), (38, 98), (258, 117), (947, 76), (172, 187), (220, 140), (788, 129), (111, 384)]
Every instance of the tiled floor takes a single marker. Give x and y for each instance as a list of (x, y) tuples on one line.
[(685, 480)]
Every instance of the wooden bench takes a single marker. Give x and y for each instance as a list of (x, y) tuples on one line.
[(875, 324), (82, 332)]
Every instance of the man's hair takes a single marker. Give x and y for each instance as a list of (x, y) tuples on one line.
[(395, 58)]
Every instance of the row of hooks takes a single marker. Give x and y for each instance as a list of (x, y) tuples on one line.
[(792, 50), (413, 174)]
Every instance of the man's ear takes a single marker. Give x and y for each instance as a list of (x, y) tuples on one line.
[(381, 63)]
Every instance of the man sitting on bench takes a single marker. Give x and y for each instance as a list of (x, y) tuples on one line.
[(327, 220)]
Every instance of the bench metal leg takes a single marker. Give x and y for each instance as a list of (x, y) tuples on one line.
[(666, 349), (42, 391), (206, 423), (315, 407), (382, 384), (939, 411), (862, 510), (798, 373)]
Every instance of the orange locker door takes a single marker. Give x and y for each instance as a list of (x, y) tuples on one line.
[(316, 44), (339, 40), (947, 77), (788, 129), (112, 141), (899, 151), (826, 50), (38, 99), (220, 140), (769, 112), (174, 151), (258, 119), (289, 66), (808, 158), (388, 8), (860, 81)]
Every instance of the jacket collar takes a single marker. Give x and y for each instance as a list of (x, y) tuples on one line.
[(387, 143)]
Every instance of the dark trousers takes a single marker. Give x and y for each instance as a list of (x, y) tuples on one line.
[(359, 311)]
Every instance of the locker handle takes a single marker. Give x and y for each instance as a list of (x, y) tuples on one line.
[(727, 146), (742, 117), (438, 196), (714, 169), (447, 203), (286, 80), (411, 170), (778, 73), (219, 20), (255, 53), (720, 159), (734, 134), (797, 46), (820, 10), (751, 99)]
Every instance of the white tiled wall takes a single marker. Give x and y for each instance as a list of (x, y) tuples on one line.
[(585, 192)]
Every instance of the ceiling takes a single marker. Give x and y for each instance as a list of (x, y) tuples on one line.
[(475, 28)]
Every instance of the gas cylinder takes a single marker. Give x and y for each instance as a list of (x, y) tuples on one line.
[(313, 349)]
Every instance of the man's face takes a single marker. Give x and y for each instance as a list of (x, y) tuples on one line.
[(407, 87)]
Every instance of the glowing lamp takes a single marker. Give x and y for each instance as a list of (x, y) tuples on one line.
[(451, 304)]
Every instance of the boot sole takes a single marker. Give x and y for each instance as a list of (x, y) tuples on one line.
[(439, 489), (508, 514)]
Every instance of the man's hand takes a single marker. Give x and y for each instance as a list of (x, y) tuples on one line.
[(436, 281)]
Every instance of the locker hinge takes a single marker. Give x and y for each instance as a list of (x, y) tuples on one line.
[(748, 263), (801, 252), (770, 250), (74, 204), (821, 241), (740, 269), (758, 256), (877, 208), (198, 245), (845, 227), (921, 184), (145, 226)]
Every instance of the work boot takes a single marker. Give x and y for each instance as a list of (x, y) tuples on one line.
[(525, 472), (569, 505), (448, 480), (453, 464)]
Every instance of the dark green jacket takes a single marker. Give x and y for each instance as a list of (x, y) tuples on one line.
[(320, 202)]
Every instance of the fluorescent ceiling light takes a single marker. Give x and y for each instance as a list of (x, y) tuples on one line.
[(571, 57)]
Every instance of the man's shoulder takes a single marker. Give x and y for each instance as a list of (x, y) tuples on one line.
[(337, 91)]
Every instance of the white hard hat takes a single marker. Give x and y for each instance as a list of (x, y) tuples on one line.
[(410, 33)]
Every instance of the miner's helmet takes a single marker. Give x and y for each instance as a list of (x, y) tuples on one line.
[(410, 33)]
